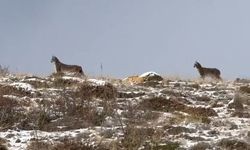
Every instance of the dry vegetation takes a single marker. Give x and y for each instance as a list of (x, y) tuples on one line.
[(152, 115)]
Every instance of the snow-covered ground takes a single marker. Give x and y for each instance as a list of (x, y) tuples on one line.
[(173, 110)]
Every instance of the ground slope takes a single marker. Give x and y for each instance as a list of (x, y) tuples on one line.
[(65, 112)]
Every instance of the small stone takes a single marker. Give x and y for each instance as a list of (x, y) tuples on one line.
[(9, 136), (233, 127), (18, 141), (248, 133)]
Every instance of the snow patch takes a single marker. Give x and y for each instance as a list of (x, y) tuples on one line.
[(149, 74), (73, 78), (25, 86), (97, 82)]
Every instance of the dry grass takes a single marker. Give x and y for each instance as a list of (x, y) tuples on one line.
[(244, 89), (10, 90), (4, 70), (232, 144), (107, 91), (65, 144), (10, 113), (171, 105)]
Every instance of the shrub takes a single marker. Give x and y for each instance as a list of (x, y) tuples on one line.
[(9, 112), (65, 144), (201, 146), (107, 91), (63, 83), (39, 145), (244, 89), (232, 144), (4, 71), (10, 90), (135, 137), (162, 104)]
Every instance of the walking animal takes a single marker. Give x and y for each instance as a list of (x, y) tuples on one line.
[(207, 72), (61, 67)]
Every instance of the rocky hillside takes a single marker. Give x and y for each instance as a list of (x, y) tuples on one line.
[(140, 112)]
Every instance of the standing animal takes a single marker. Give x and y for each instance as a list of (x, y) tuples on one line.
[(61, 67), (207, 72)]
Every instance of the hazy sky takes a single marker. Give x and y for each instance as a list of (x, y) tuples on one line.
[(127, 36)]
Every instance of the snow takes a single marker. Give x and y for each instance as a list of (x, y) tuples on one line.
[(222, 92), (73, 78), (25, 86), (98, 82), (26, 136), (149, 74)]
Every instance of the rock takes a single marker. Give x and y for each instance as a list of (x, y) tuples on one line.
[(9, 136), (145, 78), (212, 133), (248, 134), (133, 80), (18, 141), (233, 127), (151, 76), (236, 103)]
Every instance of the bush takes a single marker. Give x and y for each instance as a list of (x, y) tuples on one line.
[(10, 90), (9, 112), (135, 137), (4, 71), (65, 144), (63, 83), (201, 146), (232, 144), (244, 89), (107, 91)]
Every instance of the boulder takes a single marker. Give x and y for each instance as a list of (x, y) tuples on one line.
[(133, 80), (148, 77), (151, 76)]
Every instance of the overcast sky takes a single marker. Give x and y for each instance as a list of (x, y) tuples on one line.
[(127, 36)]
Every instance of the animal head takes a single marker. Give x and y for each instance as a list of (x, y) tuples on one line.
[(54, 59), (197, 65)]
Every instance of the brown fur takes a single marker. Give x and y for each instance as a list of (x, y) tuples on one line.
[(207, 72), (61, 67)]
